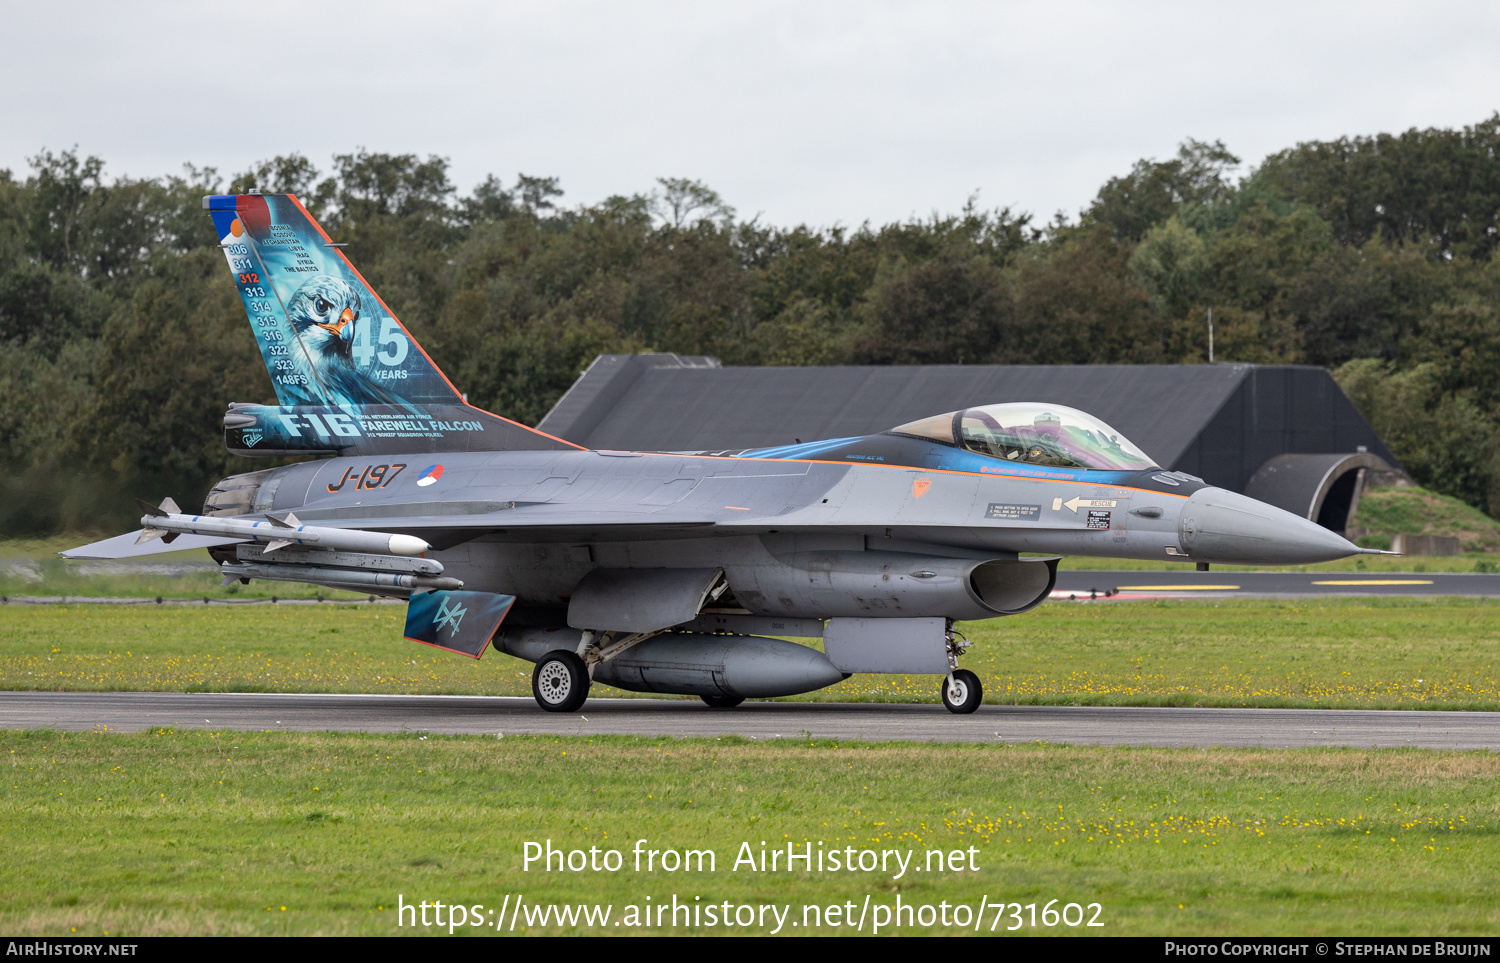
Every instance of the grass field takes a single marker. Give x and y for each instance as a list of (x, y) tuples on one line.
[(1416, 511), (284, 833), (1332, 653)]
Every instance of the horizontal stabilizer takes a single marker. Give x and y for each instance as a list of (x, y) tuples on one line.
[(128, 546), (462, 622)]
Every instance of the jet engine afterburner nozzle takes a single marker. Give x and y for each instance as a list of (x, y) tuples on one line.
[(1232, 529)]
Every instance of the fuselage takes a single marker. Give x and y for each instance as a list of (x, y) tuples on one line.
[(877, 525)]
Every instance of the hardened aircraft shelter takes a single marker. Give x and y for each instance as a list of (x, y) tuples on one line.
[(1285, 434)]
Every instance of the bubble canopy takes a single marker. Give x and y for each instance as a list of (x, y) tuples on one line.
[(1027, 433)]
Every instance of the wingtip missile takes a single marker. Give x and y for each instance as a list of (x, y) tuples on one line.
[(278, 533)]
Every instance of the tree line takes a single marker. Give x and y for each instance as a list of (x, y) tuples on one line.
[(1374, 256)]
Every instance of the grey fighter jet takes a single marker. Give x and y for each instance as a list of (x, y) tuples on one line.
[(670, 572)]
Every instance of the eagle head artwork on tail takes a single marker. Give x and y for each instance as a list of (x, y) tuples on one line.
[(325, 336), (326, 313)]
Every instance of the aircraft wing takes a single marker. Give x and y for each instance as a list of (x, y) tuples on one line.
[(124, 546)]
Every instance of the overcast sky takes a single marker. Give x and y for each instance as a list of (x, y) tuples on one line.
[(804, 112)]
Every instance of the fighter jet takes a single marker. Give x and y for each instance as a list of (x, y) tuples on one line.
[(680, 572)]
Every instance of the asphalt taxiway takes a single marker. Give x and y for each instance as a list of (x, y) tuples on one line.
[(1220, 584), (511, 716)]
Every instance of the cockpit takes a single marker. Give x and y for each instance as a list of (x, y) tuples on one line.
[(1032, 434)]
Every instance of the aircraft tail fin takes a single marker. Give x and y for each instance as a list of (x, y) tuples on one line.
[(332, 346)]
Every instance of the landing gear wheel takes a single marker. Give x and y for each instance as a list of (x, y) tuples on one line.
[(722, 701), (964, 693), (560, 682)]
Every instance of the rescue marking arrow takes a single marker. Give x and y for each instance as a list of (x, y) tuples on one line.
[(1077, 502)]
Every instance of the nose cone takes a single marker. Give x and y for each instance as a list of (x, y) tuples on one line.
[(1221, 526)]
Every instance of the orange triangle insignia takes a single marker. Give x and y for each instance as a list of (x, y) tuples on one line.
[(920, 486)]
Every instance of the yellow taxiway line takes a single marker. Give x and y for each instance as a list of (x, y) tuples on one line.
[(1377, 581)]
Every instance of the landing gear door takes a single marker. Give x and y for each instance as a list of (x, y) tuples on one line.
[(887, 645)]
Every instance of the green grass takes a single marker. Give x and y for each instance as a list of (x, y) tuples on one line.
[(287, 833), (1322, 653), (1417, 511)]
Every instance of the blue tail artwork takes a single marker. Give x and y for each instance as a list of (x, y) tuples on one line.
[(349, 378)]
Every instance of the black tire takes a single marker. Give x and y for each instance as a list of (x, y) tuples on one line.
[(722, 701), (964, 696), (560, 682)]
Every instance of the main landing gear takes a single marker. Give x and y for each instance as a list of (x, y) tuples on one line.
[(560, 681)]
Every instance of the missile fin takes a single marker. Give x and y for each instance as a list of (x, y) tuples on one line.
[(170, 537), (279, 543), (170, 507), (276, 521), (147, 534), (149, 508), (291, 520)]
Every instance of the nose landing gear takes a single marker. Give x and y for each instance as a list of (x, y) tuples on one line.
[(962, 692)]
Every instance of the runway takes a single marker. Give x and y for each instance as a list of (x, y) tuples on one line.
[(1216, 584), (511, 716)]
